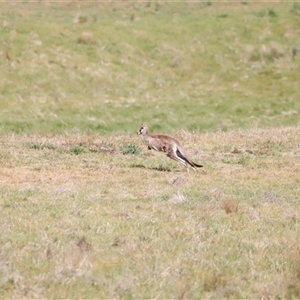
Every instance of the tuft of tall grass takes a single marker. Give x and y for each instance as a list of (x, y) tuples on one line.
[(130, 148)]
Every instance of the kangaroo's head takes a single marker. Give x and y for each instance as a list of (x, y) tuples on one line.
[(143, 130)]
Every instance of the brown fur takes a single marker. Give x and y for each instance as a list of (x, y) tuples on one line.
[(167, 144)]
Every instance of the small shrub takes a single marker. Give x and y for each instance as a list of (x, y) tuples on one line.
[(272, 13), (131, 149), (77, 149)]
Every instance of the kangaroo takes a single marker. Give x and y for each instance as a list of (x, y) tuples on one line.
[(168, 145)]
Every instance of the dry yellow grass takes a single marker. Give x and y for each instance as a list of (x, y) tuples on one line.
[(80, 219)]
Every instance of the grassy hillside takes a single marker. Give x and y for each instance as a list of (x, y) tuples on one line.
[(83, 217), (104, 67)]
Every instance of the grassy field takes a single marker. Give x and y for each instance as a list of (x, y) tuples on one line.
[(86, 211), (83, 218), (104, 67)]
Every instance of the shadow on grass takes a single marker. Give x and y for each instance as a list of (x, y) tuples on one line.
[(159, 168)]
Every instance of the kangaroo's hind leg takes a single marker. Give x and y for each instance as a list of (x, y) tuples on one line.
[(178, 159), (184, 158)]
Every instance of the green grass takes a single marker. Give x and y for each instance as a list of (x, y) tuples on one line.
[(103, 67), (87, 211)]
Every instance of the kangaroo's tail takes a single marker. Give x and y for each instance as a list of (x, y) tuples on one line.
[(187, 160)]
